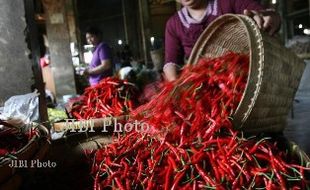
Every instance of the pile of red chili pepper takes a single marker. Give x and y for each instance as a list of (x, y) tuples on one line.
[(191, 143), (12, 139), (111, 97)]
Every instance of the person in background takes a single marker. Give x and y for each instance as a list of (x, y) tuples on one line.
[(45, 60), (126, 56), (101, 64), (184, 27)]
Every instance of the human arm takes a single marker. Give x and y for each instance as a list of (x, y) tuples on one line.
[(103, 61), (105, 65), (174, 53), (267, 19)]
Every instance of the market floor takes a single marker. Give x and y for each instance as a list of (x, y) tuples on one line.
[(298, 128)]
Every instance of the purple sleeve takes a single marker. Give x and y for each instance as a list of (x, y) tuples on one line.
[(173, 49), (241, 5), (104, 52)]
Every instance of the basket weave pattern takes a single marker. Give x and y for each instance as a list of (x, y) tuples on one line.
[(274, 73)]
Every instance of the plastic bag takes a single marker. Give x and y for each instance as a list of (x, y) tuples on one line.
[(23, 107)]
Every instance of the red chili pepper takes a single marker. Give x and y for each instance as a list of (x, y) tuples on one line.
[(167, 177), (172, 162), (119, 183), (177, 179), (150, 183), (214, 167), (205, 176), (140, 167), (173, 149), (282, 183), (191, 133)]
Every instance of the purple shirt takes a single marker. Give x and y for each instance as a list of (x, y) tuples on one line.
[(182, 31), (101, 52)]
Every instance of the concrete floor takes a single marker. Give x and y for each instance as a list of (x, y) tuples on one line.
[(298, 128)]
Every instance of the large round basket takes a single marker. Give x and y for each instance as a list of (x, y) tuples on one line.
[(76, 145), (36, 148), (274, 73)]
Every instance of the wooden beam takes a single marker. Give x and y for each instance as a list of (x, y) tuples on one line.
[(298, 13)]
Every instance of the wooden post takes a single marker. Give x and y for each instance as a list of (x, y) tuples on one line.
[(35, 52), (125, 21), (283, 13), (142, 31), (57, 30), (145, 28)]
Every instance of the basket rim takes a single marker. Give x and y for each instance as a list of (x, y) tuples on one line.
[(43, 134), (42, 130), (249, 98)]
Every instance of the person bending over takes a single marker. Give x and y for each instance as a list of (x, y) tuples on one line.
[(185, 26)]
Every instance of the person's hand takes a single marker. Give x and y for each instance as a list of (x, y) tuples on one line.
[(86, 72), (267, 20), (170, 71)]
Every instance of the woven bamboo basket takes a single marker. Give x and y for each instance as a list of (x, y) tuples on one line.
[(36, 148), (274, 73), (75, 145)]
